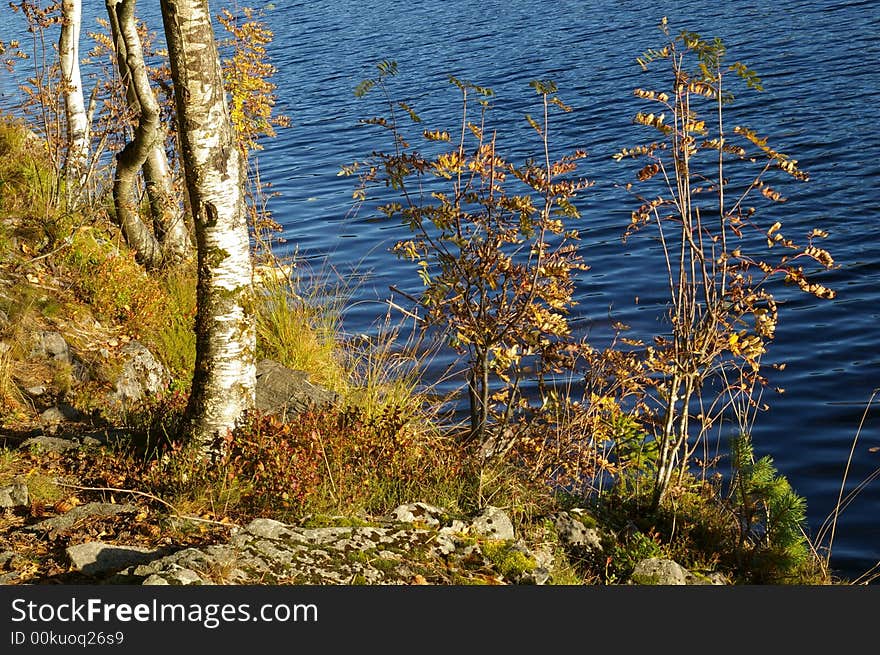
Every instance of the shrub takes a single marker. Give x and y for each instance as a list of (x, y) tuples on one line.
[(275, 464), (491, 241), (700, 187), (337, 459)]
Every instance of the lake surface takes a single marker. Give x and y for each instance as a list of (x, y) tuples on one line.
[(819, 66)]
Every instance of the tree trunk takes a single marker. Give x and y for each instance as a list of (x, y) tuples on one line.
[(147, 136), (225, 373), (169, 225), (77, 161)]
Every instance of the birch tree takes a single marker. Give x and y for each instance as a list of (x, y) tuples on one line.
[(72, 91), (167, 239), (225, 373)]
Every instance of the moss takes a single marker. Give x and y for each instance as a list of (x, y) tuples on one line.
[(645, 579), (588, 520), (507, 558), (43, 489), (564, 574), (385, 564)]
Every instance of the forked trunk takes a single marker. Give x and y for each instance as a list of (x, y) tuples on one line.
[(168, 239)]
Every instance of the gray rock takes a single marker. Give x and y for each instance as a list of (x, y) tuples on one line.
[(96, 557), (60, 413), (573, 534), (540, 574), (715, 578), (449, 537), (537, 576), (445, 544), (268, 529), (176, 577), (54, 444), (659, 572), (14, 495), (286, 392), (454, 527), (493, 523), (61, 524), (142, 375), (413, 512), (51, 345), (270, 552), (543, 556)]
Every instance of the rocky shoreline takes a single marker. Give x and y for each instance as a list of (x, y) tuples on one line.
[(417, 543)]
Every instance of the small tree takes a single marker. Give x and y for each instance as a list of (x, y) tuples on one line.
[(43, 97), (771, 516), (491, 242), (719, 256)]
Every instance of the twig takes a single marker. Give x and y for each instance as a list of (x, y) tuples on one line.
[(868, 576), (837, 507), (64, 244), (175, 512), (327, 464)]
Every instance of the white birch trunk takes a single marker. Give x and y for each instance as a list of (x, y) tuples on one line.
[(74, 99), (225, 375)]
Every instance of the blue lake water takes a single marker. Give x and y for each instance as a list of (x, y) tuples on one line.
[(819, 66)]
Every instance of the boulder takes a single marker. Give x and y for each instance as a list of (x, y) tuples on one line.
[(60, 413), (51, 345), (493, 523), (52, 444), (417, 512), (659, 572), (97, 557), (14, 495), (286, 392), (576, 536), (142, 375)]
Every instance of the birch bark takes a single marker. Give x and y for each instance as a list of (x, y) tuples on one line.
[(76, 164), (225, 373)]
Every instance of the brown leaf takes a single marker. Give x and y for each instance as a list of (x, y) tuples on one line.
[(63, 506)]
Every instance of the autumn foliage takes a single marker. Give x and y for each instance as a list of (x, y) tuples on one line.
[(494, 244)]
